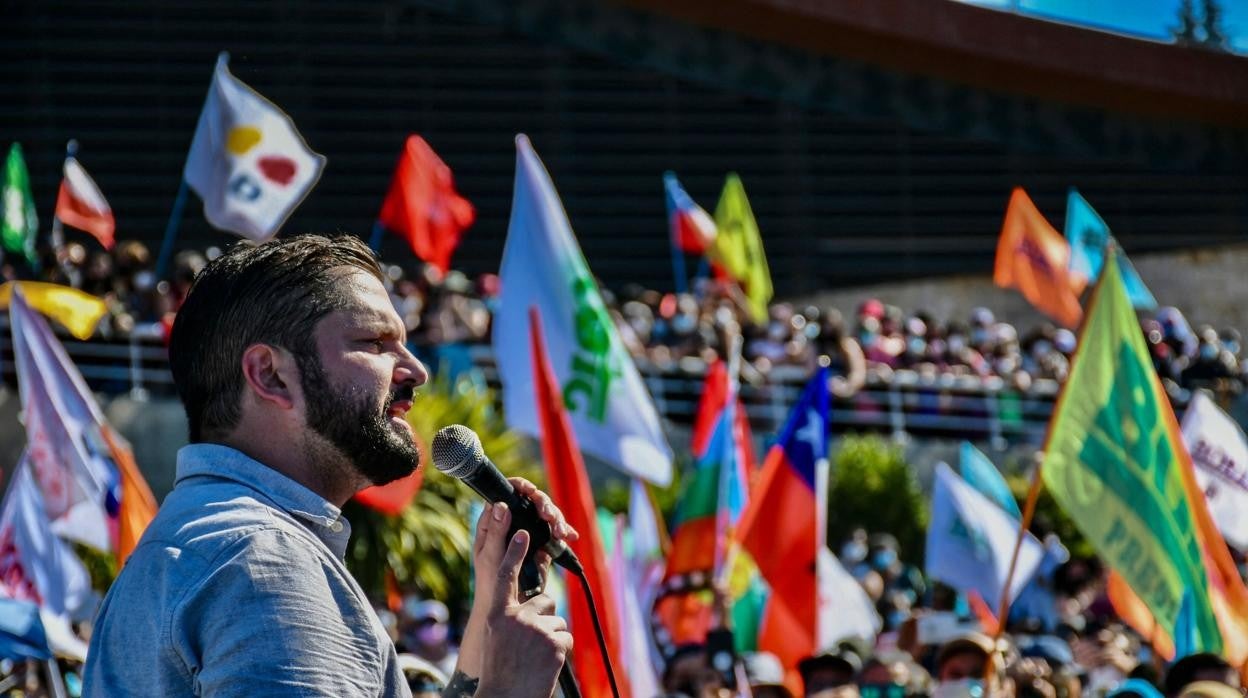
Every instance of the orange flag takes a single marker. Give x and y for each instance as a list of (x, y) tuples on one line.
[(138, 505), (569, 488), (1034, 258)]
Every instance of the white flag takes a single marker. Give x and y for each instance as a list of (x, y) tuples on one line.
[(543, 267), (37, 566), (845, 610), (71, 461), (247, 162), (970, 541), (1220, 454), (635, 645)]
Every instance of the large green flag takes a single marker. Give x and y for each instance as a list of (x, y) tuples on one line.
[(20, 224), (1113, 463), (738, 247)]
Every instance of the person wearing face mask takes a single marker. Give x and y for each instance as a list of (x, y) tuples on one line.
[(960, 667), (426, 633)]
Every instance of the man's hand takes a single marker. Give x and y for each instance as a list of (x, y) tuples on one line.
[(515, 647)]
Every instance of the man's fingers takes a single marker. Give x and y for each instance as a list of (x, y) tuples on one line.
[(483, 527), (546, 509), (541, 603), (508, 588)]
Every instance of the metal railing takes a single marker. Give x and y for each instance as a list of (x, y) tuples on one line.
[(906, 403)]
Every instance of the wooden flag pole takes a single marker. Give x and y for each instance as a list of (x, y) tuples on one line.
[(1029, 511)]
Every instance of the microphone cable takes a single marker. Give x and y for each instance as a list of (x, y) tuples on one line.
[(579, 571)]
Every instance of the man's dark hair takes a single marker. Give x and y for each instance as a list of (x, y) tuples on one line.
[(1196, 667), (273, 293)]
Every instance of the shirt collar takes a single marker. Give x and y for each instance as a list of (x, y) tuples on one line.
[(224, 462)]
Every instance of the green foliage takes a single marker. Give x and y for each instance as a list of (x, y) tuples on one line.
[(613, 494), (101, 566), (872, 487), (1049, 518), (429, 545)]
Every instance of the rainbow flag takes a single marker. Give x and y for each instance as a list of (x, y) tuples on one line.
[(709, 507)]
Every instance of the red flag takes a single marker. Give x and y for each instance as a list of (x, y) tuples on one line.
[(569, 488), (81, 204), (424, 207)]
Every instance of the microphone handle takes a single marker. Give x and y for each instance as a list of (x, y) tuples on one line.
[(567, 682)]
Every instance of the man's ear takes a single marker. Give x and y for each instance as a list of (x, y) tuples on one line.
[(270, 373)]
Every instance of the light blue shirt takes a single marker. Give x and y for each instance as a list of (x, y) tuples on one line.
[(238, 588)]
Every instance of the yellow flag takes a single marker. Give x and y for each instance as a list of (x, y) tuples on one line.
[(738, 247), (79, 312)]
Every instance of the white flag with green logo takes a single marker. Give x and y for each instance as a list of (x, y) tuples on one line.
[(543, 267)]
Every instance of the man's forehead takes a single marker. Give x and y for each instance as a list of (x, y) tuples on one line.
[(365, 298)]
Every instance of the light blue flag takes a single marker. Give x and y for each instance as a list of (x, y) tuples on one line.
[(980, 473), (1088, 235), (21, 631), (970, 541)]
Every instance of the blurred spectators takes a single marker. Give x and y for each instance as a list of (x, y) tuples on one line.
[(447, 313)]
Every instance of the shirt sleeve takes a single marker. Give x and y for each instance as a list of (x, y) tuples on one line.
[(273, 618)]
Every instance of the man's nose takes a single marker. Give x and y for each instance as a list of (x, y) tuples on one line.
[(410, 369)]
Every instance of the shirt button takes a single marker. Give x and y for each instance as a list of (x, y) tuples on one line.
[(336, 527)]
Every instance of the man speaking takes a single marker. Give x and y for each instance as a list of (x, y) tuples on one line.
[(291, 364)]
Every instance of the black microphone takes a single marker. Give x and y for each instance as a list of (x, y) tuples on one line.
[(457, 452)]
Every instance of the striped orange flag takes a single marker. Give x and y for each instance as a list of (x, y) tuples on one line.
[(1034, 258)]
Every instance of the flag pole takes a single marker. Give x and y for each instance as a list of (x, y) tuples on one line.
[(1029, 511), (379, 230), (171, 229), (58, 230)]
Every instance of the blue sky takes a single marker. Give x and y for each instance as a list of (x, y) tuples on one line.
[(1148, 18)]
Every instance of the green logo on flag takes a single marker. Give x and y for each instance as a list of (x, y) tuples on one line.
[(595, 366), (1135, 461)]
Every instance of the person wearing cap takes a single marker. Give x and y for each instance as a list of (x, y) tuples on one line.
[(831, 673), (960, 667), (1210, 689), (423, 678), (426, 633), (1202, 666), (766, 675)]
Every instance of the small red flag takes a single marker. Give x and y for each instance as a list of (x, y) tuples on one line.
[(569, 488), (79, 203), (423, 206)]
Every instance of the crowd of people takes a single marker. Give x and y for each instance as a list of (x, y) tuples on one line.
[(932, 644), (665, 329)]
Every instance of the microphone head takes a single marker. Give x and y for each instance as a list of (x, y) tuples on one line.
[(457, 451)]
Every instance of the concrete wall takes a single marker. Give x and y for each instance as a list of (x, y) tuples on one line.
[(1209, 286)]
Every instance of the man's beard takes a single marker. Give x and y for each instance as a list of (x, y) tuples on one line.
[(351, 422)]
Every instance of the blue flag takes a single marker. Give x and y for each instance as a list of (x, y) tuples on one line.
[(21, 631), (1088, 236), (980, 473)]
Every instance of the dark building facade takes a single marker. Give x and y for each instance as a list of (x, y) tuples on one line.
[(859, 168)]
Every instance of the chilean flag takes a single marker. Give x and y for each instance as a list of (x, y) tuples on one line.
[(81, 204), (693, 229), (780, 527)]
